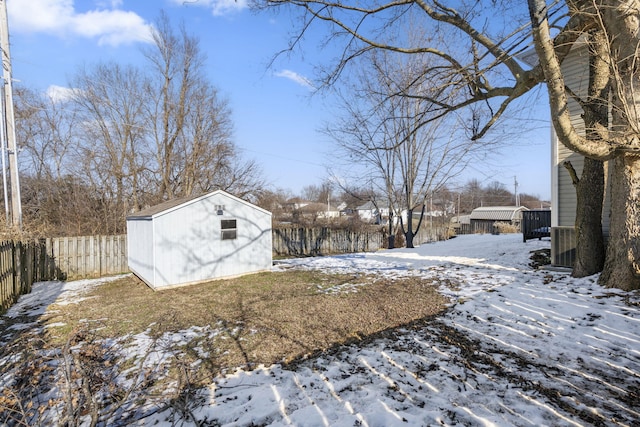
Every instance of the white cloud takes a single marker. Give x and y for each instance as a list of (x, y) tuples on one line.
[(108, 25), (218, 7), (295, 77), (112, 27), (60, 93)]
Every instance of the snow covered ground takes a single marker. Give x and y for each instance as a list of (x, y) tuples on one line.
[(517, 347)]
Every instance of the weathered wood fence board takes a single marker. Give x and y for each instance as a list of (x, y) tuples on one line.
[(89, 256), (23, 263), (322, 241)]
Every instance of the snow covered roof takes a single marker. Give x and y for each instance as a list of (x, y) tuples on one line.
[(497, 213)]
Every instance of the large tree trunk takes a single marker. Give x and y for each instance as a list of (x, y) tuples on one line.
[(392, 237), (590, 251), (589, 241), (622, 266)]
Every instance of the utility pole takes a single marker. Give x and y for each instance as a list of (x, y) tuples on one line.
[(9, 118), (515, 184)]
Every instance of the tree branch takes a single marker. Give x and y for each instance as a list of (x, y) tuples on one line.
[(572, 172)]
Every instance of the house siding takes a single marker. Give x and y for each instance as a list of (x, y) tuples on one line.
[(576, 72), (576, 78)]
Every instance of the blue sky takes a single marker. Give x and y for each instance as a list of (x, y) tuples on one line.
[(275, 118)]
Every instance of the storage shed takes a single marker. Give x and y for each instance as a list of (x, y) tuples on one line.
[(191, 240), (484, 218)]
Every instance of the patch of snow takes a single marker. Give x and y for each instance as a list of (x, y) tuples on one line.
[(545, 348)]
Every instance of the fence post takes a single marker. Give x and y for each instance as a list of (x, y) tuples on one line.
[(15, 270), (101, 254)]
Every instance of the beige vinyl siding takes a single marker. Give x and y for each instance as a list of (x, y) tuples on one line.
[(576, 72), (576, 78)]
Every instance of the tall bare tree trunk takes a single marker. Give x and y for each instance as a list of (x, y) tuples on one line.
[(589, 240), (409, 234), (622, 266), (590, 251)]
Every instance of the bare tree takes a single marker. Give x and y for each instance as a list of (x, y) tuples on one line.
[(176, 62), (484, 70), (390, 130), (110, 101), (496, 194), (55, 202), (590, 249), (46, 131), (318, 193), (125, 138), (471, 196), (191, 123)]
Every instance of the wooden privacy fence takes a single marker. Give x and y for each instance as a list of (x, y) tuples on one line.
[(22, 264), (322, 241), (89, 256)]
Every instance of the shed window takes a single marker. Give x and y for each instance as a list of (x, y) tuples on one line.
[(228, 229)]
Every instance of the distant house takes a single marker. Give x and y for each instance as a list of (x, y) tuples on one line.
[(332, 210), (299, 209), (296, 204), (369, 212), (192, 240), (563, 194), (483, 219)]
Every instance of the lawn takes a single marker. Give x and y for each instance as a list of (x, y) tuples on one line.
[(264, 318)]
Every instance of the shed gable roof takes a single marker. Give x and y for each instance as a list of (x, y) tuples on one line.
[(170, 205), (496, 213)]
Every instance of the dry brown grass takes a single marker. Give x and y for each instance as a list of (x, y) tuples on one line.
[(265, 318)]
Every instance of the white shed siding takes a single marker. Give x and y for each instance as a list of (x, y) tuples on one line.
[(182, 242), (187, 245), (140, 248)]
